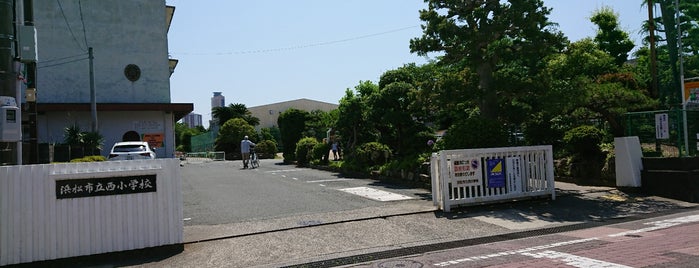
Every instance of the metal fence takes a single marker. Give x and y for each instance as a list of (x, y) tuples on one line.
[(662, 133), (476, 176), (204, 142)]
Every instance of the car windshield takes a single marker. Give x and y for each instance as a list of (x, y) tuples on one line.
[(129, 148)]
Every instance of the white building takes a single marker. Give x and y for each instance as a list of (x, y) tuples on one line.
[(131, 71), (269, 114)]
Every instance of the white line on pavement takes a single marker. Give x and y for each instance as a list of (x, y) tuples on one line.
[(573, 260), (330, 180)]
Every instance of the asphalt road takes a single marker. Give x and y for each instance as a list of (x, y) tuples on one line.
[(223, 193)]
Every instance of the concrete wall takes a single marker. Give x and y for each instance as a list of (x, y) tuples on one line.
[(120, 32), (75, 209)]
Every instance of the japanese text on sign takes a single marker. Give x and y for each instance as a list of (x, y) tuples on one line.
[(105, 186), (467, 172)]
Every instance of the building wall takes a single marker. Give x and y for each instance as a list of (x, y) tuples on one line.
[(268, 114), (120, 32), (112, 125)]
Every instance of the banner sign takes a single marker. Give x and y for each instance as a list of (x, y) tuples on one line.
[(662, 130), (495, 173), (467, 172), (105, 186), (514, 174)]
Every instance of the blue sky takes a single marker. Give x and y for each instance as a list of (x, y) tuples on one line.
[(262, 52)]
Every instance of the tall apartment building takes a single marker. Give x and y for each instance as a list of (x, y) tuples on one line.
[(192, 120), (218, 100)]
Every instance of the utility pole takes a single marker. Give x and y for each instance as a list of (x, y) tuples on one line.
[(653, 61), (93, 94), (681, 60), (8, 81)]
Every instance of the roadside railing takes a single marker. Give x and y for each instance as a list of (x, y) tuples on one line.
[(477, 176)]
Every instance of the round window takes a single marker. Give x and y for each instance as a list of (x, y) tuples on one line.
[(132, 72)]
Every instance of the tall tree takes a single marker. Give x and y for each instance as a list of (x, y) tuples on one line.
[(483, 34), (292, 123), (234, 110), (610, 37), (352, 122)]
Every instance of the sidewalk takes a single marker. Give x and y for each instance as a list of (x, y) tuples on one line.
[(406, 227)]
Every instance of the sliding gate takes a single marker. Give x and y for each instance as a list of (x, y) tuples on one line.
[(476, 176)]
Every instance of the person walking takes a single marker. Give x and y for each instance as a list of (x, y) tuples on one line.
[(334, 149), (245, 145)]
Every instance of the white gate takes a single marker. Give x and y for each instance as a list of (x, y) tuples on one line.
[(475, 176), (74, 209)]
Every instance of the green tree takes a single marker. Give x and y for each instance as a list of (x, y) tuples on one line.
[(234, 110), (590, 86), (292, 124), (352, 121), (183, 136), (484, 35), (318, 123), (230, 135), (610, 38)]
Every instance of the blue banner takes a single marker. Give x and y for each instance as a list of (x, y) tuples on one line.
[(495, 173)]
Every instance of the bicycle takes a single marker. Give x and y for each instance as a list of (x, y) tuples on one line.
[(254, 162)]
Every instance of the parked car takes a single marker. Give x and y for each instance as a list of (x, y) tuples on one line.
[(130, 150)]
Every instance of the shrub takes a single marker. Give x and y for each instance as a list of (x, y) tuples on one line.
[(266, 149), (320, 152), (372, 154), (584, 141), (304, 150), (92, 158)]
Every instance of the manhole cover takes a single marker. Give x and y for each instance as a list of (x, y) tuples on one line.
[(401, 264)]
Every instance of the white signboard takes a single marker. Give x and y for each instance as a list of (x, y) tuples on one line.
[(662, 131), (513, 167), (467, 172)]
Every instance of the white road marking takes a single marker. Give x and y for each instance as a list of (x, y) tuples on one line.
[(574, 260), (570, 259), (330, 180), (295, 179), (375, 194), (284, 170), (657, 225)]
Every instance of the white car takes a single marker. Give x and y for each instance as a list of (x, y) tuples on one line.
[(130, 150)]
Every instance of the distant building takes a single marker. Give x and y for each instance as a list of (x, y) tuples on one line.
[(192, 120), (268, 114), (217, 100)]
